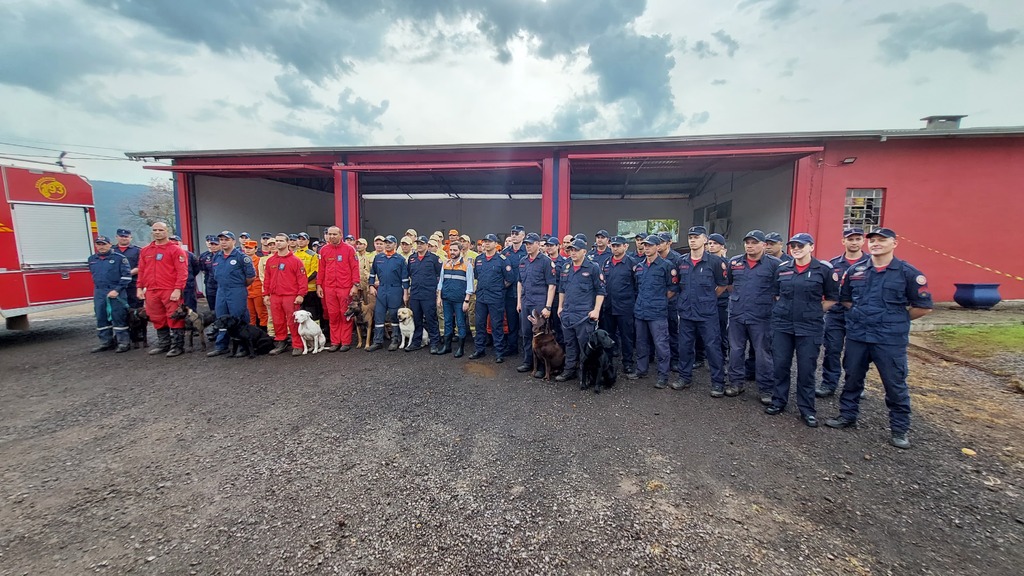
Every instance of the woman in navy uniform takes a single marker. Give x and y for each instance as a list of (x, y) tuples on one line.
[(882, 295), (804, 288)]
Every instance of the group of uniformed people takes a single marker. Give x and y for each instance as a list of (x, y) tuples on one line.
[(746, 316)]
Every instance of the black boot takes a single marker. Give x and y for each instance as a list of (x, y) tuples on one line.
[(396, 340), (460, 346), (435, 348), (446, 344), (177, 343), (279, 347), (163, 341)]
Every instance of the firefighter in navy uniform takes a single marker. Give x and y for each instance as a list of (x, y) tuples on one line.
[(774, 246), (805, 288), (674, 258), (552, 246), (389, 281), (702, 278), (655, 282), (424, 273), (494, 274), (535, 292), (581, 285), (206, 265), (882, 295), (234, 271), (835, 318), (111, 275), (131, 252), (620, 286), (514, 253), (189, 296)]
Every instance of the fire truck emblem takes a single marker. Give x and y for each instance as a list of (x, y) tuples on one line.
[(51, 189), (5, 228)]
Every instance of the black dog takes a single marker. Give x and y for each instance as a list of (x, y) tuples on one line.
[(246, 339), (138, 329), (598, 368)]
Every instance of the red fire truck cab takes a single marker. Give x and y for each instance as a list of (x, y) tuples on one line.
[(47, 229)]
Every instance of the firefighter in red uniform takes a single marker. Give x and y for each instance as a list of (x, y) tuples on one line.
[(337, 281), (284, 286), (163, 271)]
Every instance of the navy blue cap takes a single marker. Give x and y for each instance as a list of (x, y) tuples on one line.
[(421, 240), (552, 241), (581, 236), (226, 234), (885, 232), (293, 236), (531, 238), (619, 240), (578, 244), (303, 235), (489, 238), (852, 232), (174, 237), (266, 235), (602, 233), (211, 238), (757, 235), (124, 232), (802, 238), (349, 237), (773, 237), (697, 231), (665, 236), (517, 228), (639, 235), (654, 239), (390, 239), (244, 235), (717, 238), (101, 240)]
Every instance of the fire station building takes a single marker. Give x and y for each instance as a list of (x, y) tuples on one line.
[(954, 195)]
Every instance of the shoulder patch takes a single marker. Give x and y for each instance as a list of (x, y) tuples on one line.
[(673, 271), (248, 260), (921, 279), (508, 268), (835, 276)]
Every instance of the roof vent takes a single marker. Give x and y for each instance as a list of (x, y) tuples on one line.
[(942, 122)]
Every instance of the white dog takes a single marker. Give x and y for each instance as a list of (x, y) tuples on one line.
[(407, 327), (310, 332)]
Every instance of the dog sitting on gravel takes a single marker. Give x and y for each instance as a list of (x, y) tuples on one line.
[(246, 339), (138, 327), (195, 324), (598, 367), (310, 332), (408, 327)]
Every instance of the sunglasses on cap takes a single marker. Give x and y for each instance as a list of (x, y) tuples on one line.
[(797, 245)]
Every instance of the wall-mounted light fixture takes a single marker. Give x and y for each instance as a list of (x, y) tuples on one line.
[(849, 160)]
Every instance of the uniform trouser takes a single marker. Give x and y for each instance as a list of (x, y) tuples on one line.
[(512, 318), (831, 363), (621, 329), (159, 308), (495, 310), (577, 332), (188, 296), (257, 310), (807, 349), (708, 329), (556, 323), (389, 300), (891, 362), (723, 329), (652, 332), (759, 334), (111, 318), (673, 332), (132, 295), (335, 302), (211, 297), (525, 333), (282, 310), (454, 318), (231, 303), (424, 316)]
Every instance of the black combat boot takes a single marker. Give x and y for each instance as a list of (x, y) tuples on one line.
[(446, 344), (177, 343), (460, 346), (163, 341), (396, 340)]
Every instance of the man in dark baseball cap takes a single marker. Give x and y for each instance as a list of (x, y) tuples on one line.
[(697, 231), (111, 274), (883, 232), (853, 231), (835, 317), (124, 232), (774, 246)]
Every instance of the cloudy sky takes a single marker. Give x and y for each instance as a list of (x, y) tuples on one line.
[(100, 77)]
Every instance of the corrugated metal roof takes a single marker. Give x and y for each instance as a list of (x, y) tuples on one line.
[(619, 143)]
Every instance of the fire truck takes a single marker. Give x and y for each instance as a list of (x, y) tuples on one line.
[(47, 229)]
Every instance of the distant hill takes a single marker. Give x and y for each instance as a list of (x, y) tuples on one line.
[(109, 197)]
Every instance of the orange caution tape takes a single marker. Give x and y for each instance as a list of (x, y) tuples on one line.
[(985, 268)]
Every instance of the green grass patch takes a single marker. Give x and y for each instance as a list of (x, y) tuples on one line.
[(982, 341)]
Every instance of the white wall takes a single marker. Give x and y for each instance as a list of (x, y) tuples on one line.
[(473, 217), (760, 199), (255, 206)]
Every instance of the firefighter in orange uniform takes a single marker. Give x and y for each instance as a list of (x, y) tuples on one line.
[(257, 309)]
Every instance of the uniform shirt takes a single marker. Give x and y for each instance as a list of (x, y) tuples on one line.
[(163, 267), (798, 309), (390, 271), (536, 275), (206, 265), (194, 268), (841, 265), (284, 276), (131, 252), (579, 288), (493, 276), (232, 270), (110, 271), (338, 267), (599, 257), (753, 288), (514, 257), (698, 299), (365, 263), (424, 274), (456, 281), (620, 284), (470, 255), (880, 298), (654, 280), (311, 262), (255, 289), (673, 258)]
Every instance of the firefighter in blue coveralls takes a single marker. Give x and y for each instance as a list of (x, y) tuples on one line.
[(111, 274), (655, 282), (536, 292), (702, 278), (805, 288), (620, 301), (882, 295), (424, 273), (389, 280), (514, 254), (206, 264), (494, 274), (581, 286), (131, 252), (752, 280), (233, 271), (835, 318)]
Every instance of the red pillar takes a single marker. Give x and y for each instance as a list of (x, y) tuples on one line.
[(346, 201), (805, 207), (183, 204), (555, 196)]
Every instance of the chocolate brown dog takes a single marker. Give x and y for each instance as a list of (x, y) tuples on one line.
[(545, 349)]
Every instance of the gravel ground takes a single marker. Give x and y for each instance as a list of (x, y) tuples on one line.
[(390, 463)]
